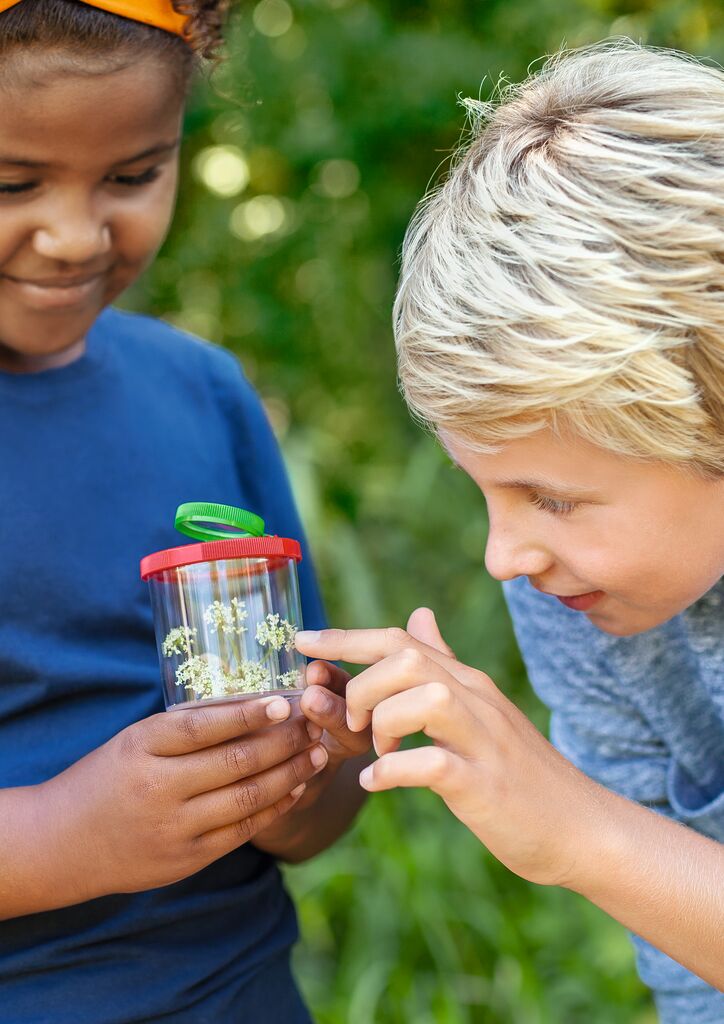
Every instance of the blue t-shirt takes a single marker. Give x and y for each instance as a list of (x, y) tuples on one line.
[(94, 459), (643, 715)]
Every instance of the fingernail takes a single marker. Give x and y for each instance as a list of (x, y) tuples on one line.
[(318, 757), (296, 793), (314, 730), (307, 637), (277, 709), (319, 702), (365, 777)]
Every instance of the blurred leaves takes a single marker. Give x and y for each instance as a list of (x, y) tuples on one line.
[(306, 153)]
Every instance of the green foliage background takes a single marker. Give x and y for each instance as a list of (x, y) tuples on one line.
[(407, 919)]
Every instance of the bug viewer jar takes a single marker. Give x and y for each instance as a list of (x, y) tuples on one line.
[(226, 610)]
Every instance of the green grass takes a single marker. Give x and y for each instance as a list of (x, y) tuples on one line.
[(409, 919)]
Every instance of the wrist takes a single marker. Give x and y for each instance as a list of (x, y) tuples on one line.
[(602, 835), (72, 867)]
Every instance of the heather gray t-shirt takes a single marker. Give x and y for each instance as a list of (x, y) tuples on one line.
[(643, 715)]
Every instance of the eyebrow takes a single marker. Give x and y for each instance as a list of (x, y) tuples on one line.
[(561, 489), (162, 147)]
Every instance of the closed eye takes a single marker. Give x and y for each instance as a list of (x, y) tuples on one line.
[(126, 180), (136, 180), (16, 188), (557, 508)]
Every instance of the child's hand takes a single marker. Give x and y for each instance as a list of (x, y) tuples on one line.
[(492, 767), (332, 799), (172, 793), (324, 703)]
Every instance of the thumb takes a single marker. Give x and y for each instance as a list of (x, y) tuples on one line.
[(422, 626)]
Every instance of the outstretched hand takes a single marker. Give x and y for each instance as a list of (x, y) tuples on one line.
[(491, 766)]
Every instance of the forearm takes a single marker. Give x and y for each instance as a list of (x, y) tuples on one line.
[(323, 814), (39, 857), (663, 881)]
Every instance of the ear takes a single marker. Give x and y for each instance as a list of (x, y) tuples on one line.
[(422, 626)]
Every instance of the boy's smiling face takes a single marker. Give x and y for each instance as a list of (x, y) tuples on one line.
[(628, 543), (88, 173)]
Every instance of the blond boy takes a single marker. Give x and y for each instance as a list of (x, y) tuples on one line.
[(560, 324)]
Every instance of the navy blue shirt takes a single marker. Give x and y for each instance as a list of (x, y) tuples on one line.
[(94, 459)]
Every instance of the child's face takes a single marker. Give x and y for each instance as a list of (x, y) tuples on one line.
[(88, 170), (635, 542)]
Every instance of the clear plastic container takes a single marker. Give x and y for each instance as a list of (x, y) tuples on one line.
[(225, 614)]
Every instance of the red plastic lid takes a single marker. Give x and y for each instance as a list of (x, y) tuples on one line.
[(216, 551)]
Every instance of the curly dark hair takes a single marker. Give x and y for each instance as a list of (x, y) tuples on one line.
[(206, 23), (90, 32)]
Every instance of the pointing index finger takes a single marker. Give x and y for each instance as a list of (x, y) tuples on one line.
[(363, 646)]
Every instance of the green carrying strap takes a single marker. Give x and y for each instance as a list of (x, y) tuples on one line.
[(205, 521)]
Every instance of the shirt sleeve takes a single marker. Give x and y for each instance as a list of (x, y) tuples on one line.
[(600, 721), (264, 477)]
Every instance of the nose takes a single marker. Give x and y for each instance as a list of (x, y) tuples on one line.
[(509, 554), (74, 233)]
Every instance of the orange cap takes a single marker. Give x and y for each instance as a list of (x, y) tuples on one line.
[(159, 13)]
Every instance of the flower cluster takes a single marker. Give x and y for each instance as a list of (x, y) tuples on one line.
[(207, 676), (202, 676), (228, 619), (179, 641), (290, 680), (276, 633), (252, 677)]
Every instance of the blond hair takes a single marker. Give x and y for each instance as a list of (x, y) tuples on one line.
[(569, 272)]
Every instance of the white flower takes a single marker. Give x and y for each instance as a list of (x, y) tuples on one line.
[(251, 677), (203, 675), (179, 641), (291, 680), (227, 618), (276, 633)]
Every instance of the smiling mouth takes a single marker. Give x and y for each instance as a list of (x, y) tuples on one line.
[(577, 602), (581, 602), (55, 282), (55, 292)]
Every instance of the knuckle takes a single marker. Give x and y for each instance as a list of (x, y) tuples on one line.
[(300, 770), (285, 741), (193, 724), (395, 636), (242, 713), (410, 661), (243, 830), (237, 760), (296, 739), (382, 771), (247, 798), (338, 718), (131, 743), (439, 697), (439, 765)]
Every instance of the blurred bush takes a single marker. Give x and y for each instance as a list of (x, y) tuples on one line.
[(305, 156)]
